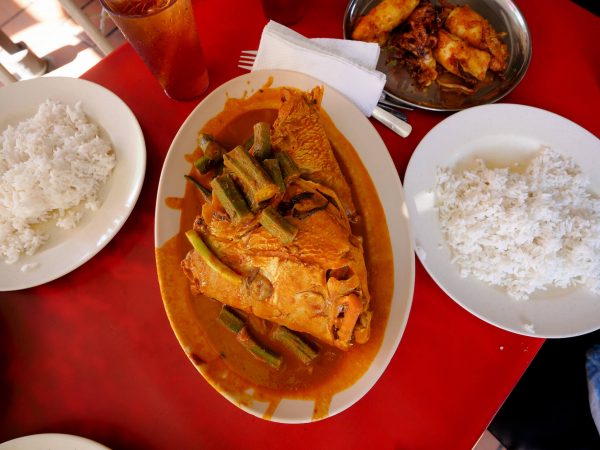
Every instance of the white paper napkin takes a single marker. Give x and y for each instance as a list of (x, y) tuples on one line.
[(348, 66)]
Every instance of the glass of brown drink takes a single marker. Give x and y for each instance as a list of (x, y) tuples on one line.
[(164, 34)]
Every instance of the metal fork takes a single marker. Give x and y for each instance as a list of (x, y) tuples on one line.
[(247, 59), (386, 111)]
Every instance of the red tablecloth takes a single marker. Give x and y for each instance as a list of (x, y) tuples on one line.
[(93, 354)]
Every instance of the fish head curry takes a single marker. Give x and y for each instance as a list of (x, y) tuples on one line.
[(281, 277)]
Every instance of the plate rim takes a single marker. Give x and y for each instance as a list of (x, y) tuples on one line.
[(102, 94), (222, 89), (51, 439), (448, 122)]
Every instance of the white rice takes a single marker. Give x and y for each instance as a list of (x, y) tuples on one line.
[(49, 164), (522, 231)]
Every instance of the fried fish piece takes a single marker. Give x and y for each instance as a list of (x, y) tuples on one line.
[(298, 132), (316, 285), (468, 25), (459, 58), (383, 18)]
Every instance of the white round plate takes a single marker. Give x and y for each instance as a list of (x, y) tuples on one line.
[(51, 441), (367, 142), (501, 134), (68, 249)]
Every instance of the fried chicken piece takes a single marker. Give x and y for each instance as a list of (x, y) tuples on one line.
[(376, 25), (414, 47), (459, 58), (468, 25)]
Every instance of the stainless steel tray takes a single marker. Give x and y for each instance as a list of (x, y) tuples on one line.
[(503, 15)]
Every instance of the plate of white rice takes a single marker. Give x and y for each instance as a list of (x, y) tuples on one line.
[(504, 202), (72, 164)]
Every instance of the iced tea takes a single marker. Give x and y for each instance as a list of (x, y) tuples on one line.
[(164, 34)]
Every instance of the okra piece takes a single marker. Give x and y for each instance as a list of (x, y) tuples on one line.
[(274, 171), (289, 169), (204, 164), (230, 320), (231, 199), (205, 192), (248, 143), (204, 139), (262, 140), (277, 225), (259, 352), (300, 347), (255, 182), (210, 148), (211, 259)]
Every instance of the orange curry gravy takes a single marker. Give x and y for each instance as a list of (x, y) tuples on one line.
[(212, 348)]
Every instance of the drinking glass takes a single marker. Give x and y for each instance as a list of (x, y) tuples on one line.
[(164, 34)]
